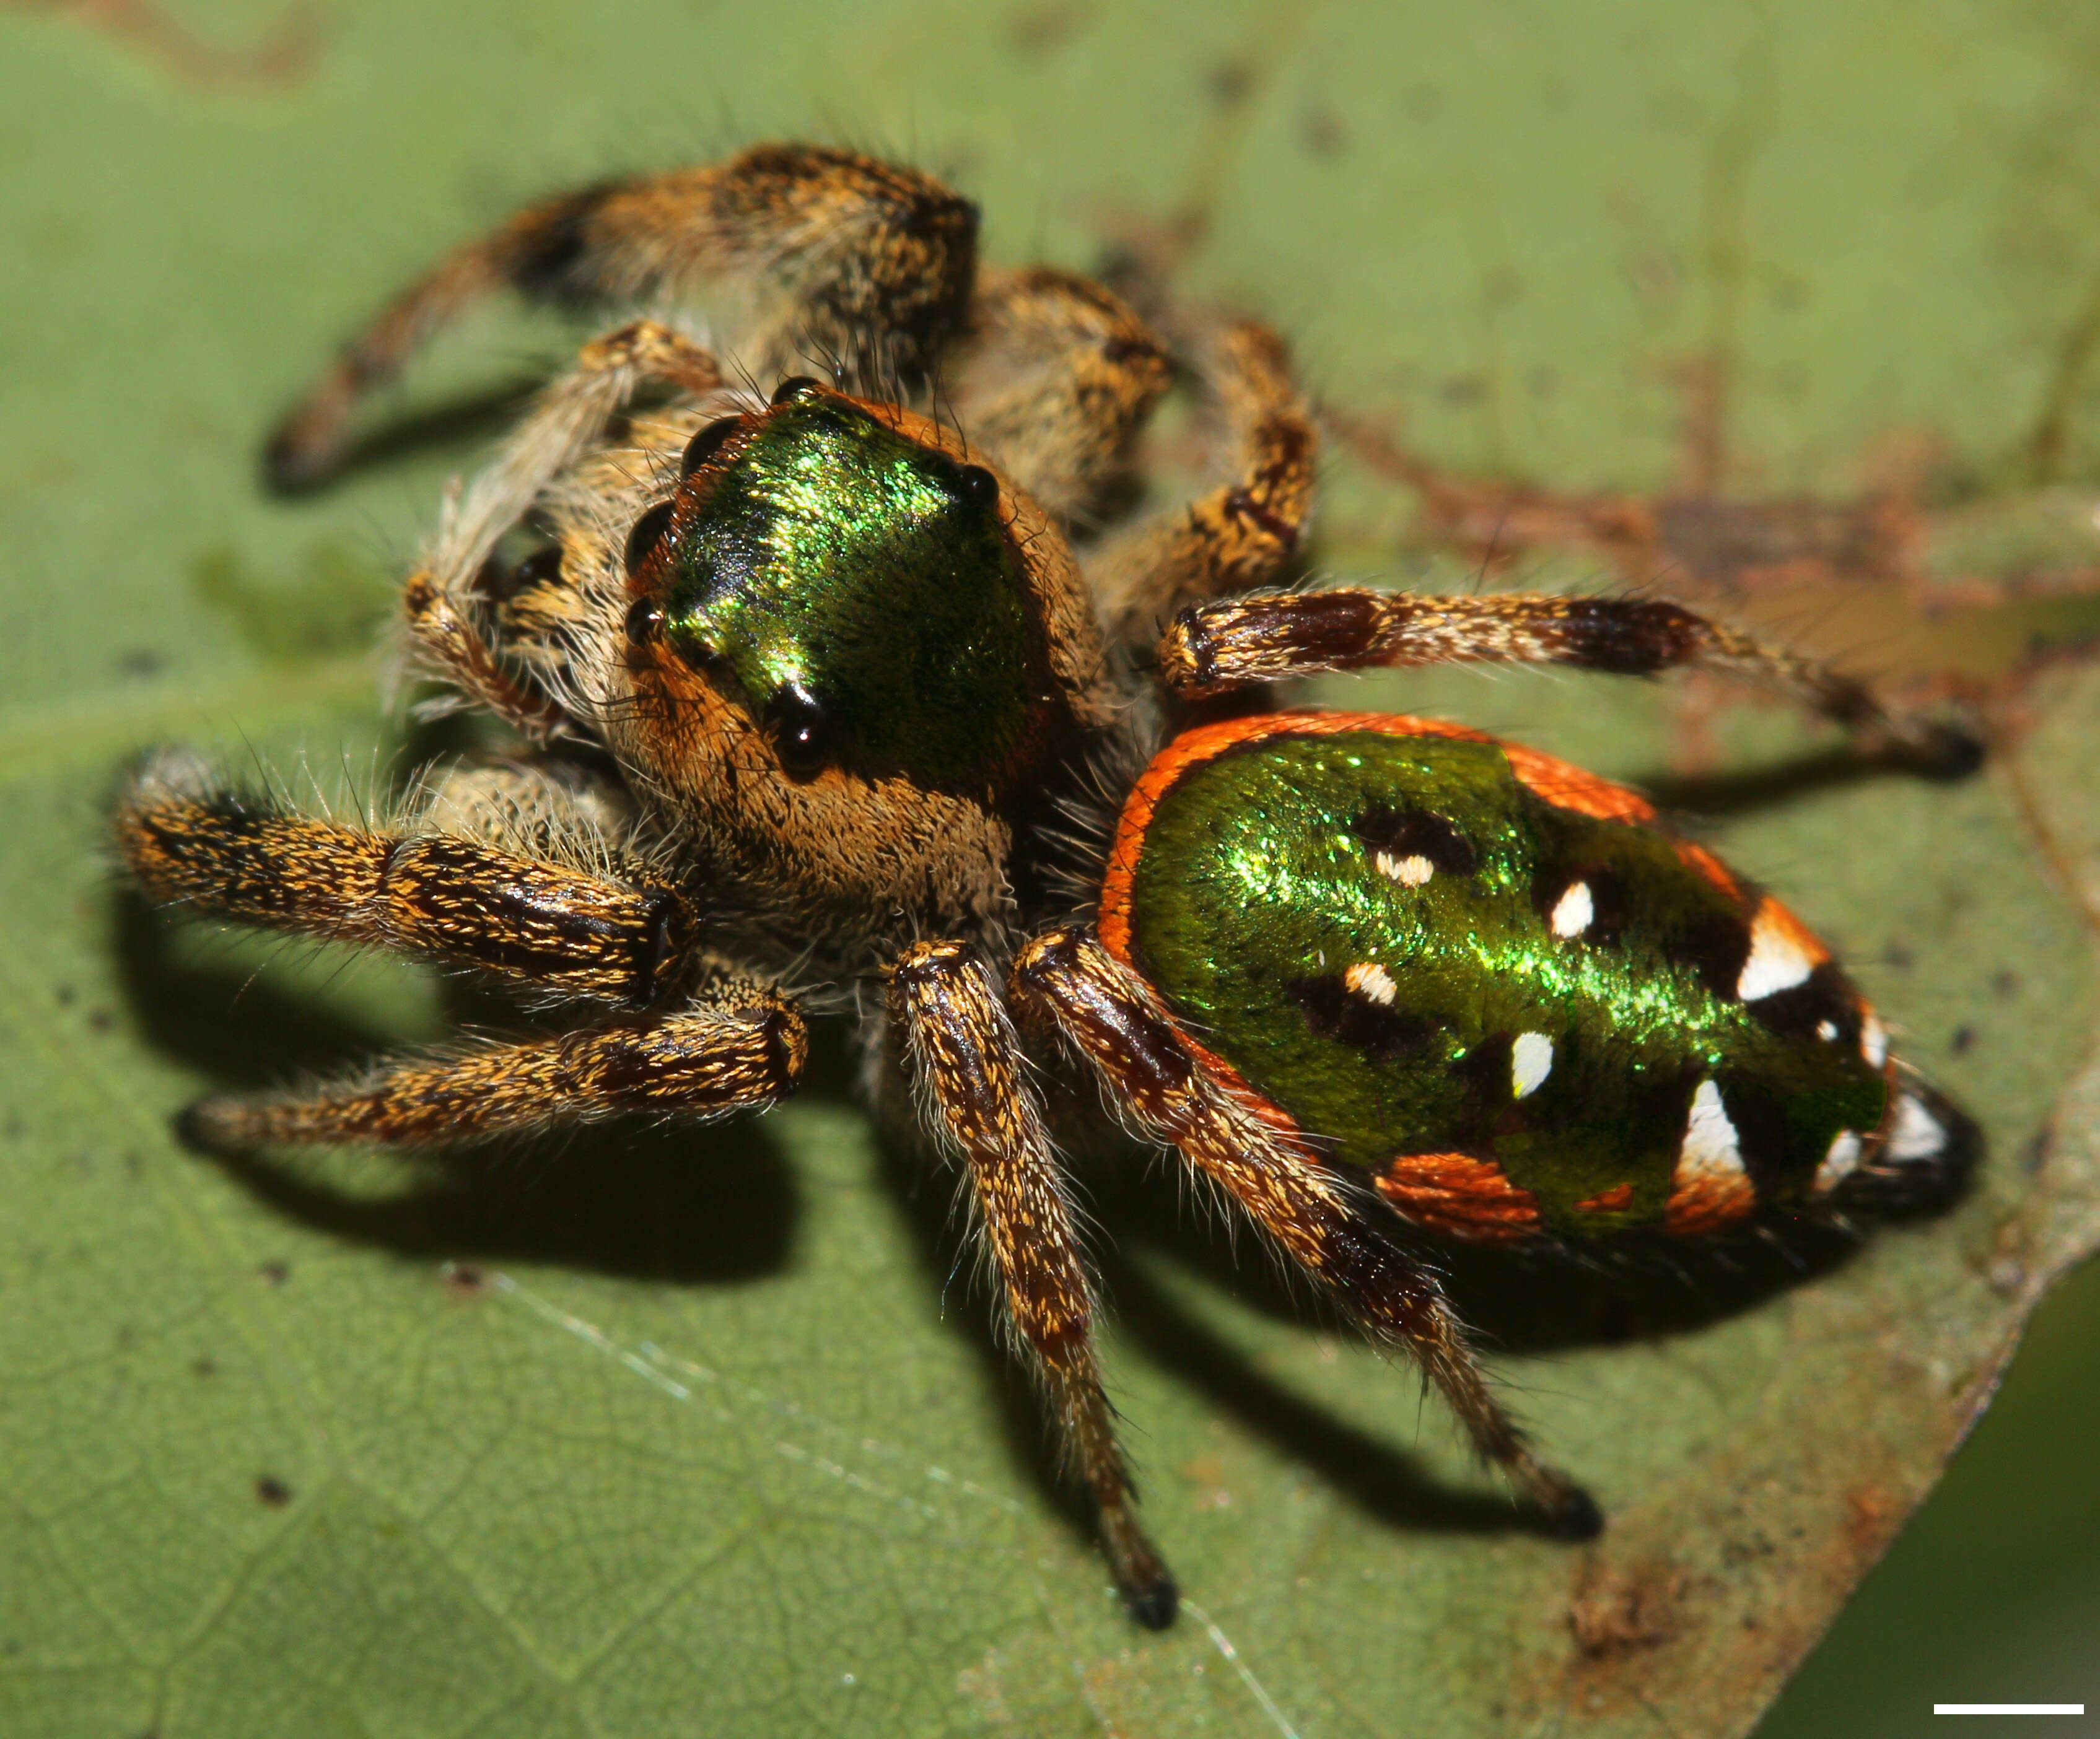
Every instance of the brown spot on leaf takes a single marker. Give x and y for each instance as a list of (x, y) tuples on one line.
[(273, 1492), (1616, 1612)]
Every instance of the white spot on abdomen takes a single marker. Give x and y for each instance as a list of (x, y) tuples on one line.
[(1371, 980), (1710, 1151), (1874, 1043), (1839, 1162), (1777, 960), (1410, 872), (1916, 1134), (1574, 911), (1531, 1061)]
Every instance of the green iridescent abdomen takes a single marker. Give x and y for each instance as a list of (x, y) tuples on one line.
[(1411, 951)]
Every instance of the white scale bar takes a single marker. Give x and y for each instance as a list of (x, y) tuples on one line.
[(2009, 1708)]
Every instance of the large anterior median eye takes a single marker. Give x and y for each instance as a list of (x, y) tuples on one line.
[(803, 733)]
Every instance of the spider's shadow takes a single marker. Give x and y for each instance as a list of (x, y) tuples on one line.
[(469, 423), (1514, 1304), (717, 1206)]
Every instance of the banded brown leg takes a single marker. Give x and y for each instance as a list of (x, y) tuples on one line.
[(1212, 648), (1112, 1018), (1245, 530), (870, 266), (962, 1049), (741, 1048), (439, 896)]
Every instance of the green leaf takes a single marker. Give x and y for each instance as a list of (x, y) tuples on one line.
[(670, 1432)]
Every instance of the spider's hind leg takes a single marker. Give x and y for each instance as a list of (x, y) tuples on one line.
[(869, 266), (1111, 1017)]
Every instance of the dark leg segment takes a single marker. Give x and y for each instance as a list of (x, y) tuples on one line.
[(871, 266), (1114, 1020), (967, 1059), (1241, 533), (561, 931), (742, 1052), (1212, 648)]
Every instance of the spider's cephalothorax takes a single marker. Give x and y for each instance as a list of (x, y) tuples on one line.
[(809, 684)]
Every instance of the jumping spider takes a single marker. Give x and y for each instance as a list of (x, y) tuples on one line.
[(815, 687)]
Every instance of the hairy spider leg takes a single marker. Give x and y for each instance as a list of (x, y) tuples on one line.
[(1212, 648), (739, 1046), (968, 1062), (1114, 1020), (862, 264), (435, 895), (1243, 531), (1055, 376)]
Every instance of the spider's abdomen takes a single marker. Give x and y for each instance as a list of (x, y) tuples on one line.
[(1488, 979)]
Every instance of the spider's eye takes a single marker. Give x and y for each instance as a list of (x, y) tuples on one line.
[(708, 443), (793, 387), (647, 534), (802, 730), (643, 620), (978, 486)]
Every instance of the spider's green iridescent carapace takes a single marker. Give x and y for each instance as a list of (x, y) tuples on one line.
[(851, 576), (1487, 978)]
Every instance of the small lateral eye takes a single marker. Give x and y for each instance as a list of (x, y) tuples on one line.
[(794, 387), (644, 618), (801, 729), (708, 443), (978, 486), (647, 534)]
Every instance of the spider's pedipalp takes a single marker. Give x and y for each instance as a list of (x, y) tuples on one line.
[(1056, 376)]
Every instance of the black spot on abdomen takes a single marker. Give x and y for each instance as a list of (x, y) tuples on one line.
[(1416, 833), (1335, 1011)]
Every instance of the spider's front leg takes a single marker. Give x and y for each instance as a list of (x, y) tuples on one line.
[(443, 896), (967, 1062), (870, 266), (1212, 649), (1111, 1016), (728, 1043), (738, 1046)]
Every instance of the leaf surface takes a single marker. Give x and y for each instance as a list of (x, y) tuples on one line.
[(669, 1433)]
